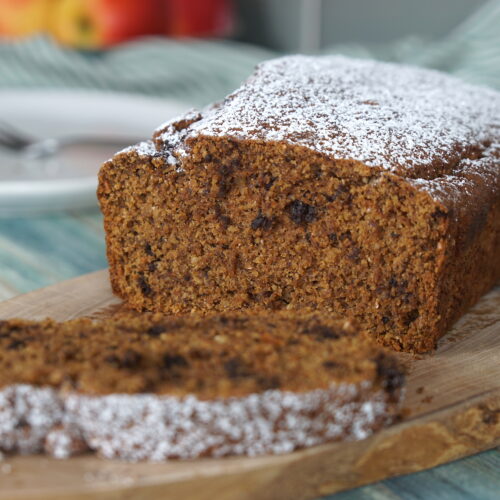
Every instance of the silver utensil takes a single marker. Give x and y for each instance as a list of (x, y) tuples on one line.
[(32, 148)]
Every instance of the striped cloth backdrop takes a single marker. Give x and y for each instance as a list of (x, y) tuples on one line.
[(198, 72), (194, 71)]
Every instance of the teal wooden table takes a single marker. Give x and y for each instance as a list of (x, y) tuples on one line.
[(40, 251)]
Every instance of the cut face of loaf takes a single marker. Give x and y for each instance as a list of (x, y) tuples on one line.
[(238, 209)]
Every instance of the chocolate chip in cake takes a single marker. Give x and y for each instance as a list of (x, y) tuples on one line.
[(330, 364), (131, 359), (412, 316), (322, 332), (333, 239), (171, 361), (268, 185), (15, 345), (232, 321), (144, 285), (112, 359), (225, 180), (166, 326), (156, 330), (200, 353), (301, 213), (346, 235), (393, 282), (148, 250), (268, 383), (235, 368), (439, 214), (225, 221), (354, 254), (261, 222)]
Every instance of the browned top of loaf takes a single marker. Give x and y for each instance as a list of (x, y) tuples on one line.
[(414, 122), (213, 356)]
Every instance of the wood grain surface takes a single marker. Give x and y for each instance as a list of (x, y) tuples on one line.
[(452, 410)]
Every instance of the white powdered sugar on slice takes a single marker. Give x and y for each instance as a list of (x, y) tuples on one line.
[(27, 414), (151, 427)]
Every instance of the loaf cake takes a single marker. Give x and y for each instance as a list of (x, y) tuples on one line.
[(148, 387), (323, 183)]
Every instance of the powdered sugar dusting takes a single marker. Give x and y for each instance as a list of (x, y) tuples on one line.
[(151, 427), (461, 191), (27, 414), (399, 118), (145, 148)]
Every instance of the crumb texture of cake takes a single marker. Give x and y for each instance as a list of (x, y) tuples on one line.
[(323, 183), (148, 387)]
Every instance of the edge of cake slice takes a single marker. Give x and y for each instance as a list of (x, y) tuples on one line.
[(148, 387)]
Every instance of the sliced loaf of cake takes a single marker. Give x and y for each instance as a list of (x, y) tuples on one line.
[(364, 188)]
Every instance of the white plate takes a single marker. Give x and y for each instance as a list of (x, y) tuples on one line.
[(70, 180)]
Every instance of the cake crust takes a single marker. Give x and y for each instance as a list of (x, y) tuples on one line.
[(414, 122)]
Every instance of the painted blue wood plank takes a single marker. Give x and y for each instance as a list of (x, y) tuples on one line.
[(19, 274), (378, 491), (39, 251), (91, 218), (473, 478), (60, 236), (478, 474)]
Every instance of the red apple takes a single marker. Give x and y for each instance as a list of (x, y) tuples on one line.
[(198, 17), (23, 17), (94, 24)]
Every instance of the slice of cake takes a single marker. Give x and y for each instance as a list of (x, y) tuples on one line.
[(145, 387), (328, 183)]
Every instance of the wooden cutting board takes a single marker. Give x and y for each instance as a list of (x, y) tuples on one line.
[(452, 410)]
